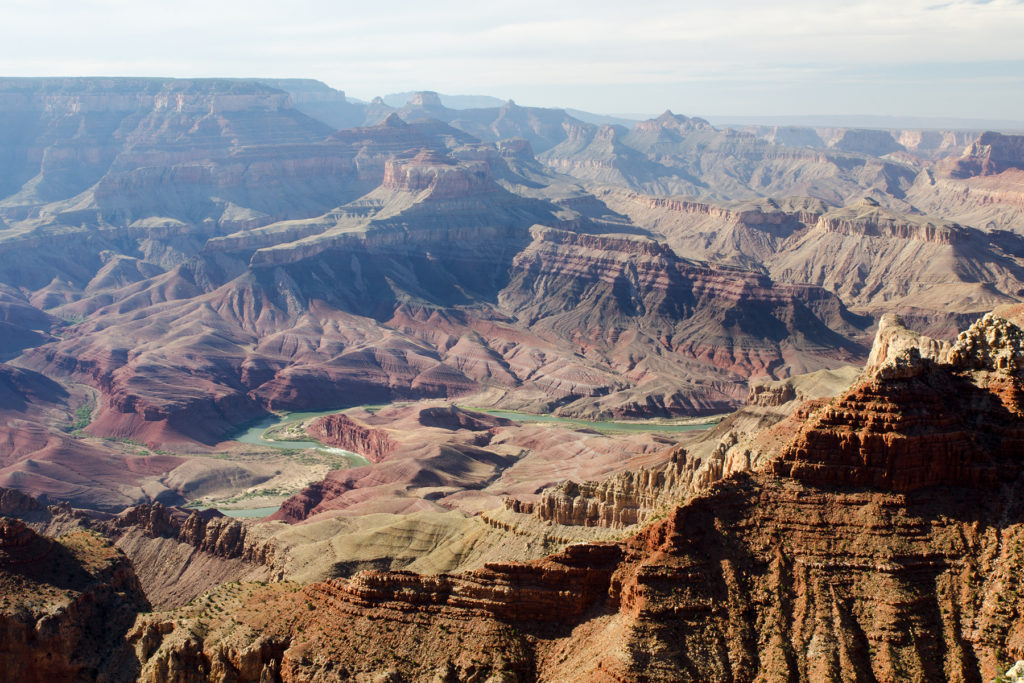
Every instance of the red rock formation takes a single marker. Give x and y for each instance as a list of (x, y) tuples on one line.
[(424, 469), (208, 531), (916, 422), (453, 417), (761, 577), (15, 537), (593, 290), (777, 575), (551, 590), (770, 395), (343, 432), (16, 504), (990, 154), (446, 457)]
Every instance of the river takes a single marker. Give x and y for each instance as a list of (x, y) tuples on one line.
[(254, 434)]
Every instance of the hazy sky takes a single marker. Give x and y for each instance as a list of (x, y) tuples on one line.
[(963, 58)]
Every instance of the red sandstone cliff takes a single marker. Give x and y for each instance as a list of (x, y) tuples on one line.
[(343, 432), (918, 422)]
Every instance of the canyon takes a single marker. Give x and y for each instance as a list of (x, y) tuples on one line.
[(823, 558), (787, 363)]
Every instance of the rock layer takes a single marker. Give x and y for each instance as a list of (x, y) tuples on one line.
[(343, 432), (626, 499), (916, 422), (66, 605), (815, 569), (208, 531)]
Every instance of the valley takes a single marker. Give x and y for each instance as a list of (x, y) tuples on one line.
[(295, 387)]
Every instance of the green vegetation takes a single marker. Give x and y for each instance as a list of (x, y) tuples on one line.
[(141, 449), (83, 416)]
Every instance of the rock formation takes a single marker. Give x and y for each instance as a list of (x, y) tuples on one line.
[(66, 604), (179, 257), (628, 498), (444, 228), (872, 142), (785, 580), (743, 441), (917, 422), (990, 154), (900, 563), (343, 432), (305, 264), (936, 273), (677, 155), (593, 290), (442, 458), (209, 531), (884, 541), (178, 555)]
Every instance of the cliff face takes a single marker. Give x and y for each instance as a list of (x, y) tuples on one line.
[(745, 440), (924, 262), (838, 595), (178, 555), (125, 136), (591, 289), (898, 558), (990, 154), (623, 500), (159, 166), (786, 581), (209, 531), (916, 422), (983, 186), (16, 504), (560, 586), (343, 432), (582, 320), (66, 604), (439, 175)]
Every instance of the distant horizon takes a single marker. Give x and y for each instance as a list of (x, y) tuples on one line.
[(794, 119), (958, 59), (799, 119)]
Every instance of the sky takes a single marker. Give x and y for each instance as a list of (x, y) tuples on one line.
[(928, 58)]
